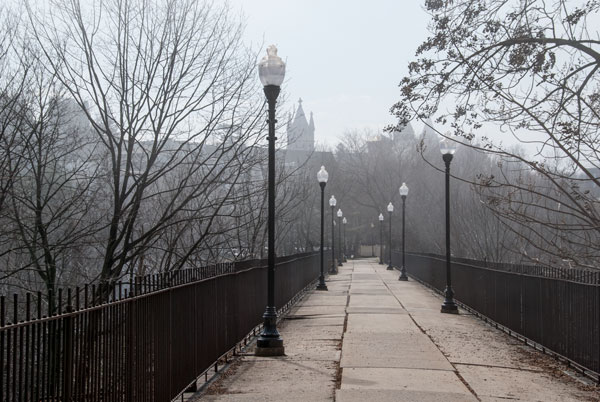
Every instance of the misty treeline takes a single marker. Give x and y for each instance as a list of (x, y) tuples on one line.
[(528, 70), (132, 141)]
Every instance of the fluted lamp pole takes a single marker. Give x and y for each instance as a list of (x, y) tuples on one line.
[(380, 238), (340, 214), (333, 267), (322, 177), (403, 194), (344, 221), (271, 71), (390, 209), (448, 148)]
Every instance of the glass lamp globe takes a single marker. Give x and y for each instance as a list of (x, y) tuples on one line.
[(322, 175), (339, 213), (380, 217), (332, 201), (271, 69), (390, 207), (344, 221), (404, 190), (447, 146)]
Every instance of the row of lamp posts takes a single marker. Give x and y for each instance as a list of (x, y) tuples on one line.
[(447, 148), (322, 177), (403, 193), (271, 71)]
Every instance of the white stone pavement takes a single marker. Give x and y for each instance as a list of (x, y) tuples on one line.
[(395, 346)]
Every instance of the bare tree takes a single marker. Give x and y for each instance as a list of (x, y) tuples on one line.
[(170, 93), (531, 68)]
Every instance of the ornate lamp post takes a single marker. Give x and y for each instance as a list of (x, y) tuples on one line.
[(333, 268), (380, 238), (448, 148), (403, 194), (322, 177), (344, 221), (271, 71), (340, 255), (390, 209)]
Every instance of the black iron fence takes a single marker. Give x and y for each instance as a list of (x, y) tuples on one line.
[(145, 341), (538, 303)]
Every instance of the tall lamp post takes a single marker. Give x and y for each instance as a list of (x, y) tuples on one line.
[(322, 177), (403, 194), (448, 148), (372, 239), (390, 209), (271, 71), (340, 255), (380, 238), (344, 221), (333, 268)]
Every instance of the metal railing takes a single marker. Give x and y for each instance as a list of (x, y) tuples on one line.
[(538, 303), (143, 342)]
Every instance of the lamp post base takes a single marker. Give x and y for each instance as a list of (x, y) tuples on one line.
[(267, 347), (403, 276), (321, 286), (390, 268), (449, 307), (269, 343)]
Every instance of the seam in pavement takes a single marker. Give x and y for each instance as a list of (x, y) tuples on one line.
[(460, 377), (338, 379), (501, 367)]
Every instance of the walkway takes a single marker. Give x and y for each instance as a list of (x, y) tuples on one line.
[(395, 346)]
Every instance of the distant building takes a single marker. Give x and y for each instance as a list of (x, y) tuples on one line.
[(300, 149), (382, 142), (300, 131)]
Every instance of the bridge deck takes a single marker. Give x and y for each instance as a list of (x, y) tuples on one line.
[(395, 346)]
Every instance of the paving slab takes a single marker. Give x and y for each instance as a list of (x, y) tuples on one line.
[(372, 300), (375, 310), (389, 350), (403, 379), (278, 380), (496, 383), (382, 323), (396, 395)]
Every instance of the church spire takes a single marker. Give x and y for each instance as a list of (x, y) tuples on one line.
[(300, 133)]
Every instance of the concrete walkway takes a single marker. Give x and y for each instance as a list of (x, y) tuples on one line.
[(395, 346)]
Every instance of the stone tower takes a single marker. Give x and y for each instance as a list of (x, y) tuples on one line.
[(300, 132)]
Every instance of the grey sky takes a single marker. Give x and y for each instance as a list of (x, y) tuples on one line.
[(344, 58)]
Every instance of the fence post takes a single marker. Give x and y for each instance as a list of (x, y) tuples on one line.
[(68, 350)]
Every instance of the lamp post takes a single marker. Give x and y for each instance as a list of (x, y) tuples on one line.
[(340, 255), (372, 239), (333, 268), (403, 194), (390, 209), (448, 148), (322, 177), (380, 238), (271, 71), (344, 221)]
